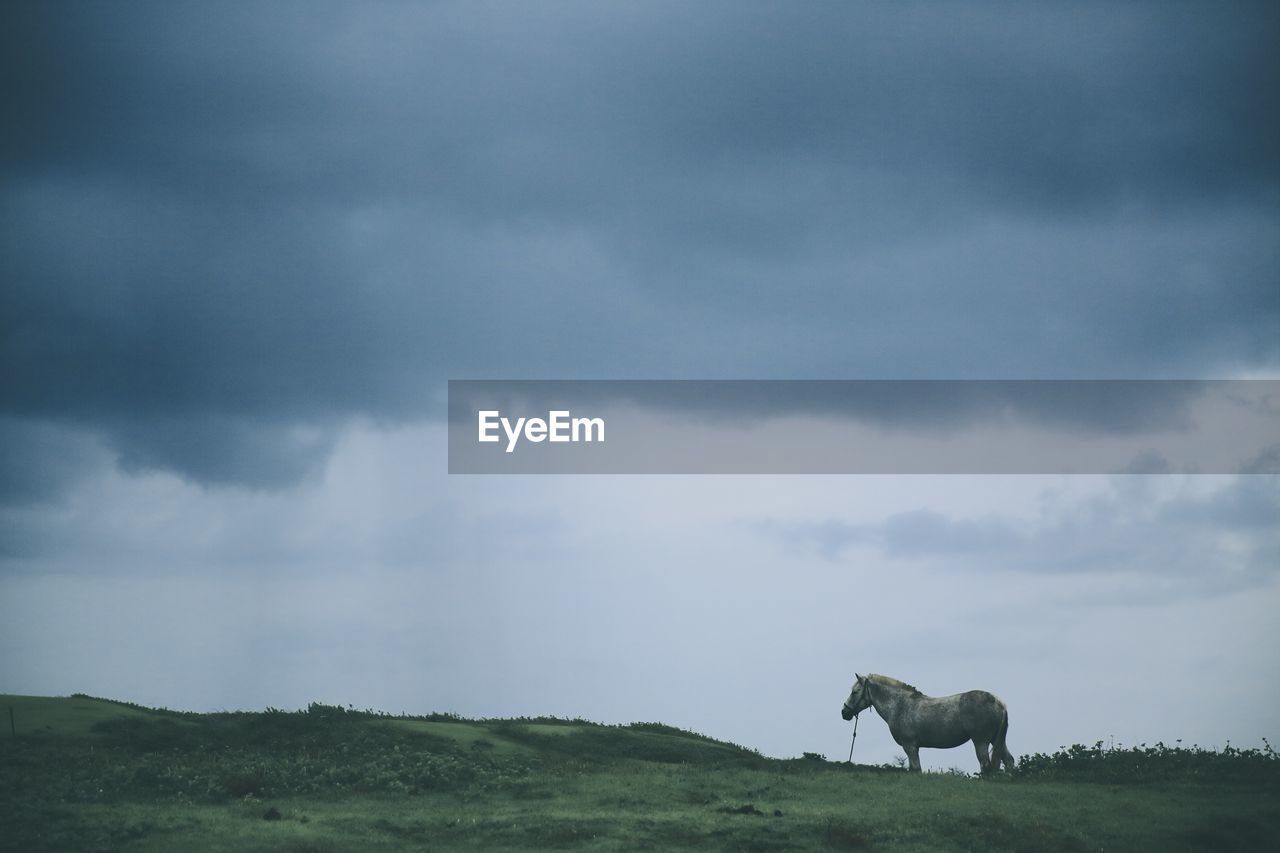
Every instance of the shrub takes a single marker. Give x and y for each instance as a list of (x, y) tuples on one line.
[(1159, 763)]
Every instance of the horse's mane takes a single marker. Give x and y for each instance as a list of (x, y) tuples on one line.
[(889, 681)]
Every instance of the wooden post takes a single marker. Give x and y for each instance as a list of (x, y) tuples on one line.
[(13, 729)]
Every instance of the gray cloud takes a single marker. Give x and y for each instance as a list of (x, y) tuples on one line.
[(1149, 462), (1266, 462), (41, 460), (219, 451), (1197, 544), (1250, 503), (917, 533)]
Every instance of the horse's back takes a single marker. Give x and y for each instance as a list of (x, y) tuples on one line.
[(974, 699), (985, 699)]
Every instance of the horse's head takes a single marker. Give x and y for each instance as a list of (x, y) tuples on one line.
[(859, 698)]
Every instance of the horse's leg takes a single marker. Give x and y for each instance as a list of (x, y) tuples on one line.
[(913, 756), (984, 760)]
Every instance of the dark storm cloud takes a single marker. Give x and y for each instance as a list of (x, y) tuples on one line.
[(219, 450), (40, 459), (222, 216)]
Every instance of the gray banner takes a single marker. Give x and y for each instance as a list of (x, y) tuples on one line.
[(864, 427)]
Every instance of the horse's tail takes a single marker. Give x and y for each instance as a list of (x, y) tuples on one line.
[(1000, 749)]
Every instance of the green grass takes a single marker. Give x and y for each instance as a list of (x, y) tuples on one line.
[(76, 715), (470, 735), (86, 774)]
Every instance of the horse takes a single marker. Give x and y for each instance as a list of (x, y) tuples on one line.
[(942, 722)]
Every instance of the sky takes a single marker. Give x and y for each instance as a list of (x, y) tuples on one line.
[(243, 247)]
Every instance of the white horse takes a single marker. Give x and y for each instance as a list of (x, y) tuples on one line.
[(917, 720)]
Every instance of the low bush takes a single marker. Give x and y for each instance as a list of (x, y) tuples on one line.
[(1159, 763)]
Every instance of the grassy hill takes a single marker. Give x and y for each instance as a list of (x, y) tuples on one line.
[(91, 774)]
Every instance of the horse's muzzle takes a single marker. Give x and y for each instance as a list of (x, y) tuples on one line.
[(846, 712)]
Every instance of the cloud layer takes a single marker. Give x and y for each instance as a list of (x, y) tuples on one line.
[(277, 219)]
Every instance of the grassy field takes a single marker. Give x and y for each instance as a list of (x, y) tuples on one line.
[(90, 774)]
